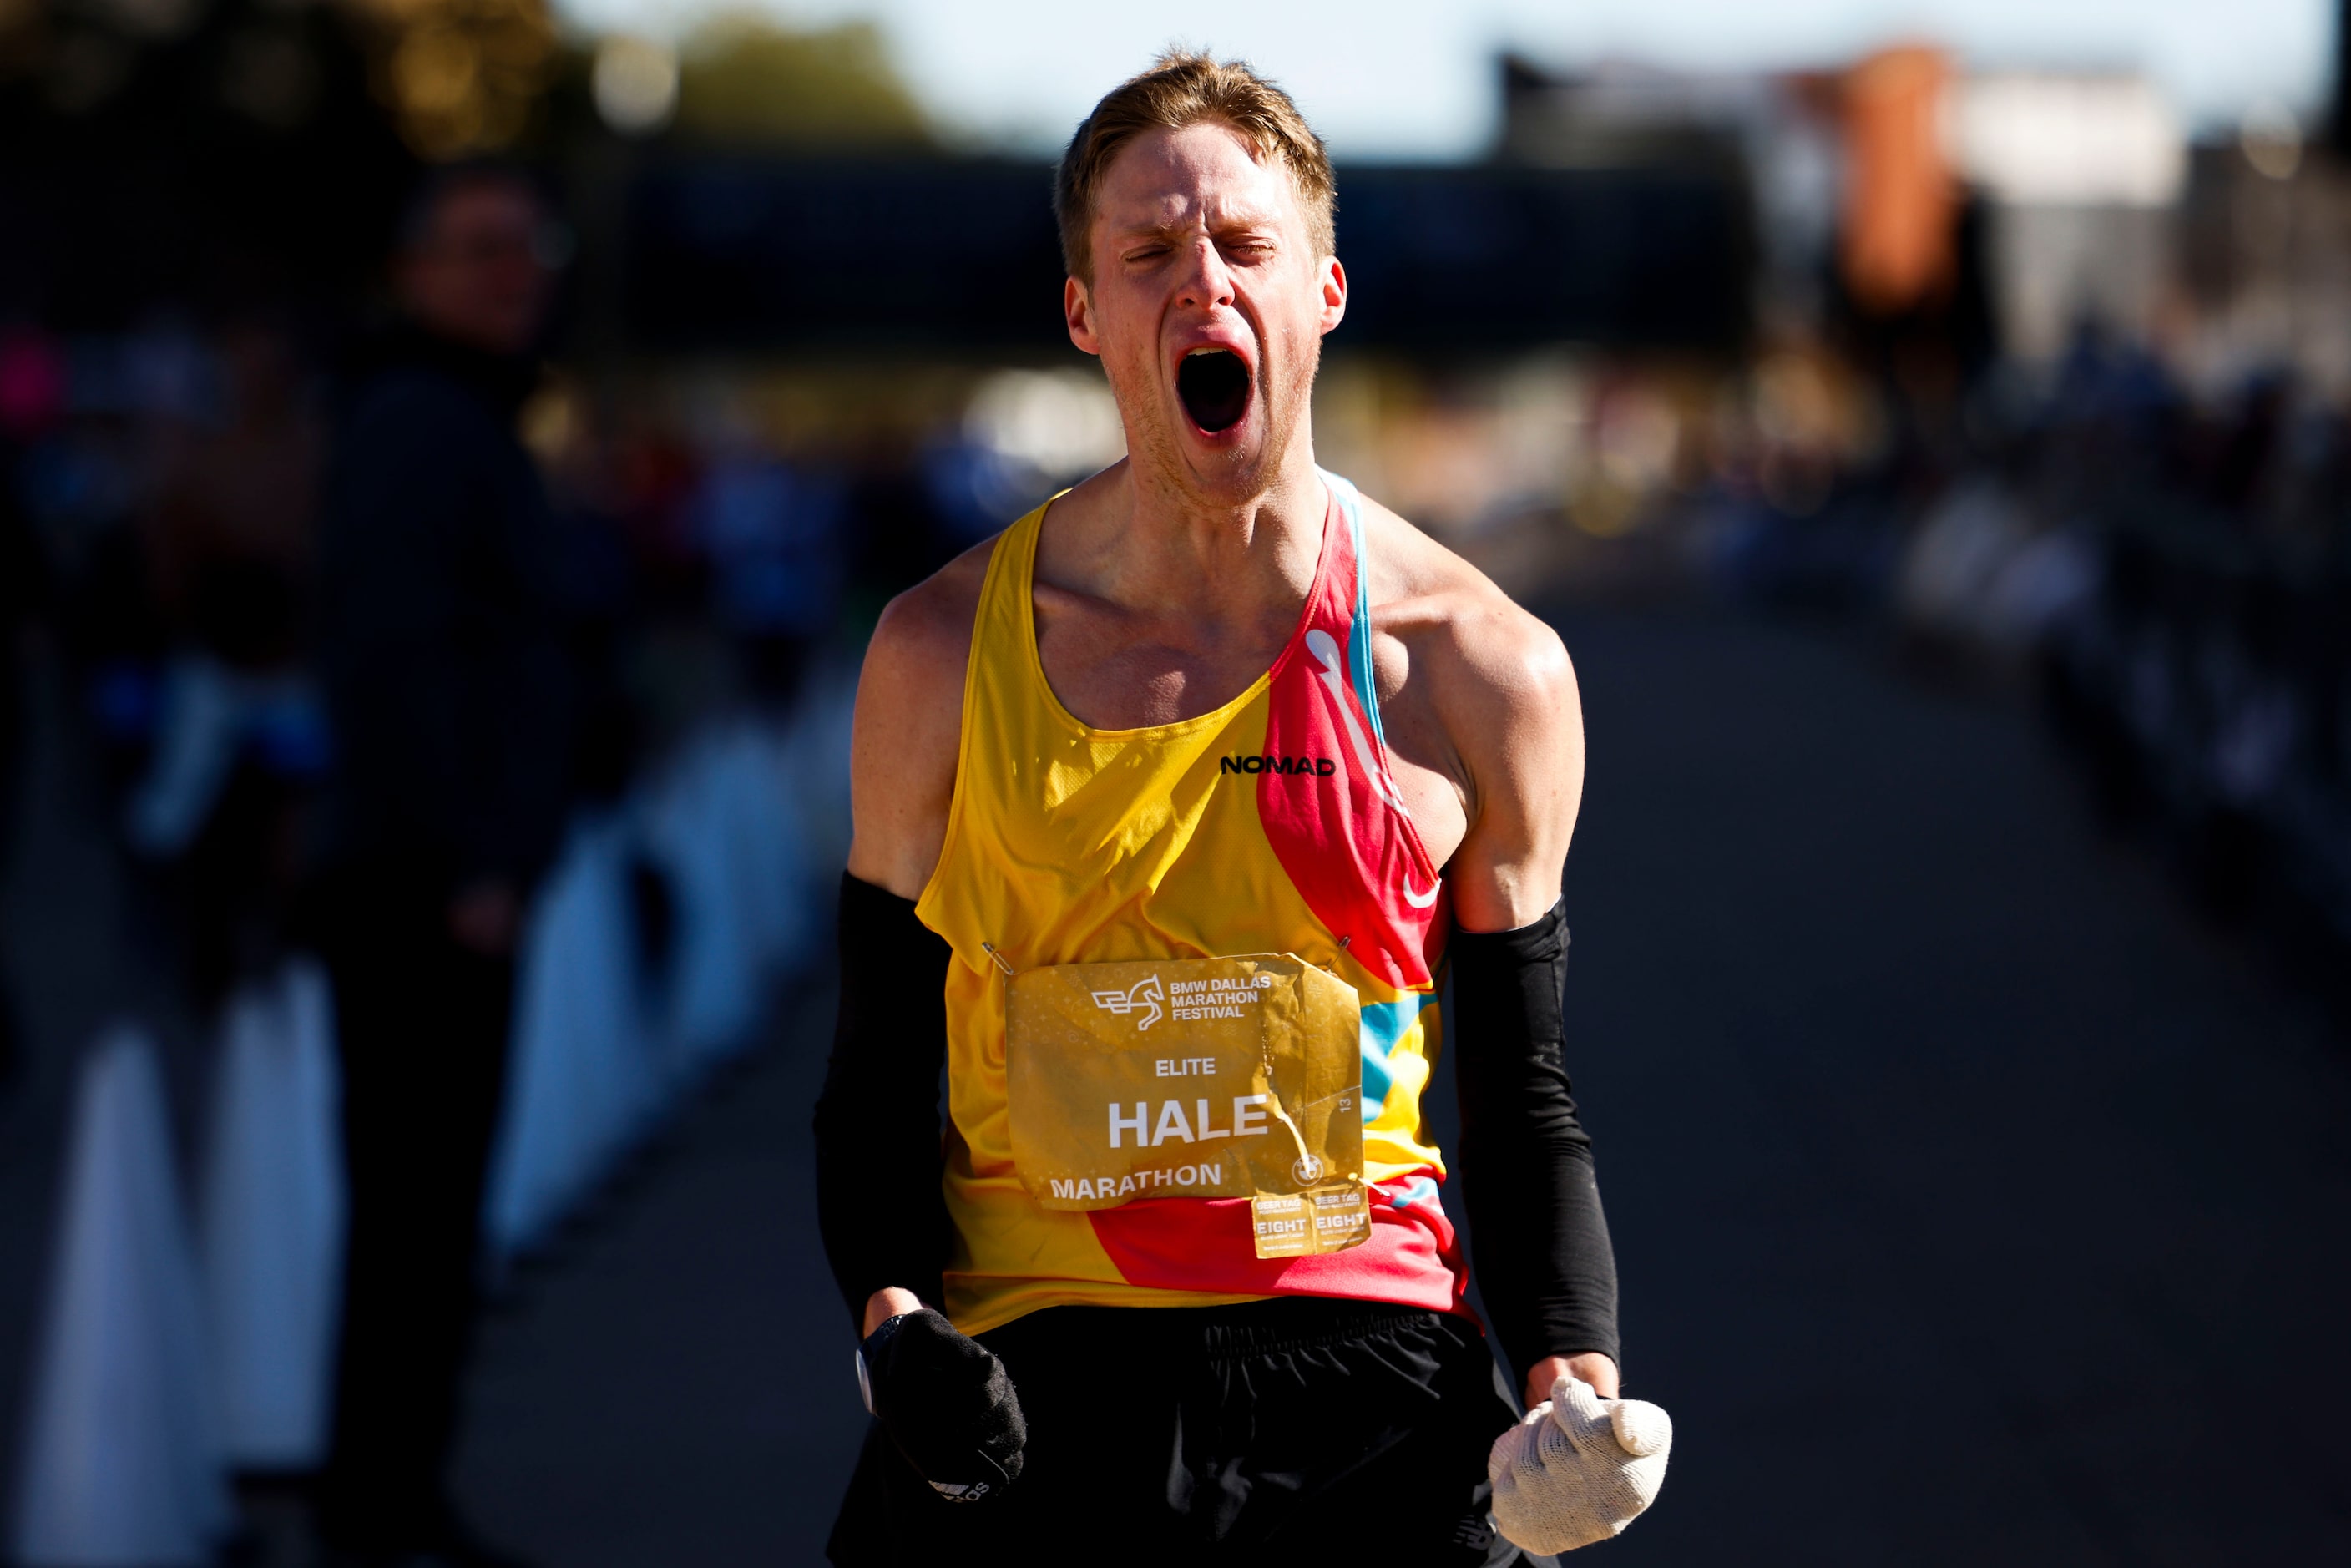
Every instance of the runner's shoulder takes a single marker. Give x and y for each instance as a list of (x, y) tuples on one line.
[(1484, 656), (902, 760), (926, 632)]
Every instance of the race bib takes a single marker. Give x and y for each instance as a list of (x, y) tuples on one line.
[(1193, 1077)]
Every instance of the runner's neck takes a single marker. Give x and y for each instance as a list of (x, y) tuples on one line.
[(1148, 549)]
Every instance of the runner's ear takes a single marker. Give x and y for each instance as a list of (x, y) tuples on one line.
[(1077, 315)]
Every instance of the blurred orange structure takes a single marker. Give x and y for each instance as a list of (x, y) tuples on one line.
[(1901, 203)]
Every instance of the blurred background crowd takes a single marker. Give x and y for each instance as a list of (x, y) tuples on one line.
[(723, 334)]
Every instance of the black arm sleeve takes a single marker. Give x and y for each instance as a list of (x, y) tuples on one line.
[(1540, 1240), (878, 1154)]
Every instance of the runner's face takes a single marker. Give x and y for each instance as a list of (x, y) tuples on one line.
[(1207, 307)]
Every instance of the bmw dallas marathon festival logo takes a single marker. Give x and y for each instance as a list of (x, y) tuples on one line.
[(1144, 993), (1222, 997)]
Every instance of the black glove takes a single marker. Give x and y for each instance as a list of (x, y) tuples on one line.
[(945, 1401)]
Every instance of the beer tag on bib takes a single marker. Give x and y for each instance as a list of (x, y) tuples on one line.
[(1236, 1077), (1323, 1219)]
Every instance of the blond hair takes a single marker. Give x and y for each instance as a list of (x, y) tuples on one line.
[(1183, 88)]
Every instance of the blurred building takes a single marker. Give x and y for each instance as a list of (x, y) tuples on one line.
[(2265, 259), (2082, 174), (1759, 142), (1871, 185)]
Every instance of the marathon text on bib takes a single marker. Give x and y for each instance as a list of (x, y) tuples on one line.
[(1193, 1077)]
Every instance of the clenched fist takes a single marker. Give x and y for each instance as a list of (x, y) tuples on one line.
[(946, 1403), (1579, 1468)]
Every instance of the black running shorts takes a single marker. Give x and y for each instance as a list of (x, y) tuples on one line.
[(1289, 1431)]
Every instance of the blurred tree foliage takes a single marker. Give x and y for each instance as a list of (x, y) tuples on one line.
[(458, 77), (209, 154), (461, 76), (742, 78), (212, 153)]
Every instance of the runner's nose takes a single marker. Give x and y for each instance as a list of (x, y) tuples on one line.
[(1207, 282)]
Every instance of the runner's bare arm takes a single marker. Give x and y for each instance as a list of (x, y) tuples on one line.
[(1503, 681), (903, 753), (1486, 728), (909, 722), (1509, 696)]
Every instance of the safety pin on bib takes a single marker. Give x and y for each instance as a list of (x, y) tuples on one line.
[(989, 948)]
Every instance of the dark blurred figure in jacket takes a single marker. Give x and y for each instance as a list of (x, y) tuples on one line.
[(20, 577), (449, 696)]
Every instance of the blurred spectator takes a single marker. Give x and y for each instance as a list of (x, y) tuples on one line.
[(773, 537), (25, 395), (450, 699), (230, 541), (596, 590), (238, 730)]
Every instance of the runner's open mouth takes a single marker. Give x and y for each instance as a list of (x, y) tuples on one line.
[(1215, 386)]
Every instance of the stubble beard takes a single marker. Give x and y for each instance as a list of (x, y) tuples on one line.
[(1230, 478)]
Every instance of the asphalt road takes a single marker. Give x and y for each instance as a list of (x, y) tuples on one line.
[(1974, 1204)]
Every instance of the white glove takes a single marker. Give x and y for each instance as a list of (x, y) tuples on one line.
[(1578, 1470)]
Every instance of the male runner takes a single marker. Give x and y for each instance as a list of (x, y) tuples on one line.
[(1190, 784)]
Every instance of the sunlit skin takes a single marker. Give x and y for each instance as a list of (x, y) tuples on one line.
[(1198, 245), (1167, 584)]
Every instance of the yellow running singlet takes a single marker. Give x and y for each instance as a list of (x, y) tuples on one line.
[(1269, 826)]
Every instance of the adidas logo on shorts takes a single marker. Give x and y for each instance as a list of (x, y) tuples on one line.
[(955, 1493)]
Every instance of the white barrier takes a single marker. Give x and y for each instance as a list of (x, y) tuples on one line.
[(713, 980), (813, 751), (769, 842), (209, 712), (272, 1221), (601, 1049), (121, 1459), (151, 1378), (585, 1079)]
